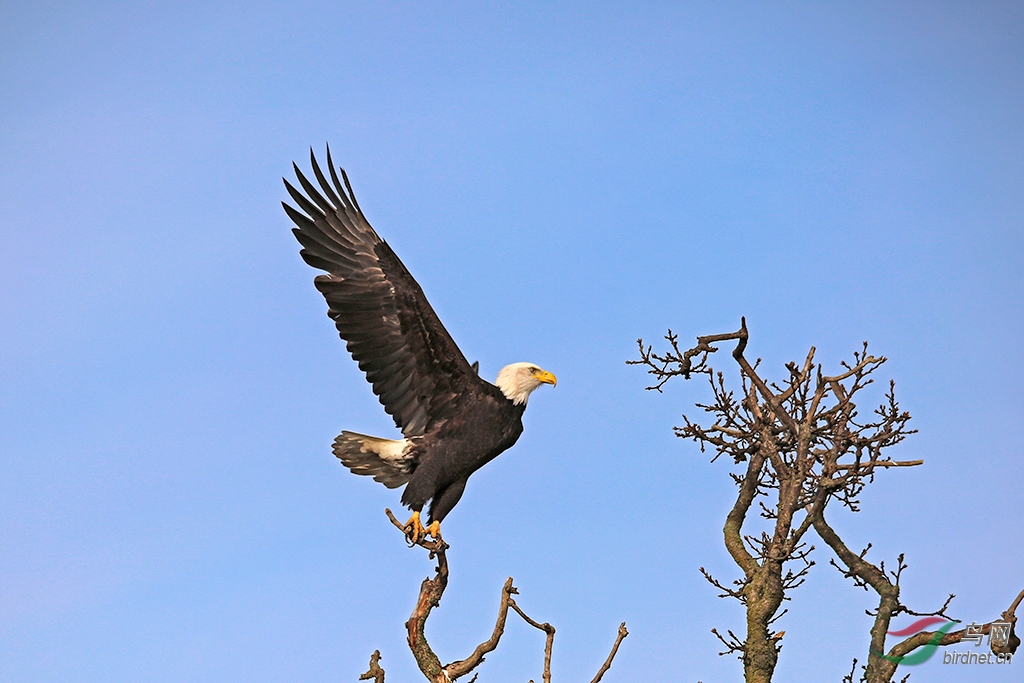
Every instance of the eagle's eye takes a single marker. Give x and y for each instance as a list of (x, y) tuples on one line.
[(534, 370)]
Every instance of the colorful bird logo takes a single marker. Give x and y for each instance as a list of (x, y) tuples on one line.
[(925, 653)]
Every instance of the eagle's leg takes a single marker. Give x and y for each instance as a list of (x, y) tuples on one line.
[(434, 529), (414, 530)]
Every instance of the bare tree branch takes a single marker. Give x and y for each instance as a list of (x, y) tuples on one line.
[(611, 655), (430, 594), (549, 640), (464, 666), (374, 672), (848, 678)]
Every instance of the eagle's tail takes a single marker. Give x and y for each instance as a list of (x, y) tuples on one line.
[(389, 462)]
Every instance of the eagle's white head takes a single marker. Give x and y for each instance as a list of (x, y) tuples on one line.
[(517, 381)]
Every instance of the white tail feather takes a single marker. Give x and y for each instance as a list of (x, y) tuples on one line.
[(389, 462)]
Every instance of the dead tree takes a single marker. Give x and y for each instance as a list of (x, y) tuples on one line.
[(430, 594), (801, 444)]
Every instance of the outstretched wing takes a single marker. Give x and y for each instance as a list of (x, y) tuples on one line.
[(415, 368)]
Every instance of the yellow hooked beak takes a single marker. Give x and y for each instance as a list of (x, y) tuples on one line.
[(546, 377)]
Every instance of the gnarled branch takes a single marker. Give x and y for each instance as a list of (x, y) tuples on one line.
[(374, 672), (429, 597)]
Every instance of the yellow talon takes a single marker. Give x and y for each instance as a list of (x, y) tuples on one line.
[(435, 530), (414, 531)]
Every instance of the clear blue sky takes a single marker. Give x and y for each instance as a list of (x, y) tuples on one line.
[(561, 180)]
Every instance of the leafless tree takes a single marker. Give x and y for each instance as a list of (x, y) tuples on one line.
[(801, 444), (430, 594)]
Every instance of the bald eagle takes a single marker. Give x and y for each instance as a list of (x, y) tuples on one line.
[(453, 422)]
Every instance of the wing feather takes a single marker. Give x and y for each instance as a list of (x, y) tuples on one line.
[(331, 195), (312, 193), (303, 203), (413, 364)]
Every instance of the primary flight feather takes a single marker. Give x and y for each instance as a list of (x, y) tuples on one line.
[(453, 422)]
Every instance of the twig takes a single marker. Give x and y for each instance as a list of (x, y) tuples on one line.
[(549, 641), (1009, 615), (611, 655), (464, 666), (880, 463), (374, 672), (848, 678)]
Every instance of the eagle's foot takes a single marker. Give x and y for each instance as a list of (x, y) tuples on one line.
[(415, 532), (414, 529)]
